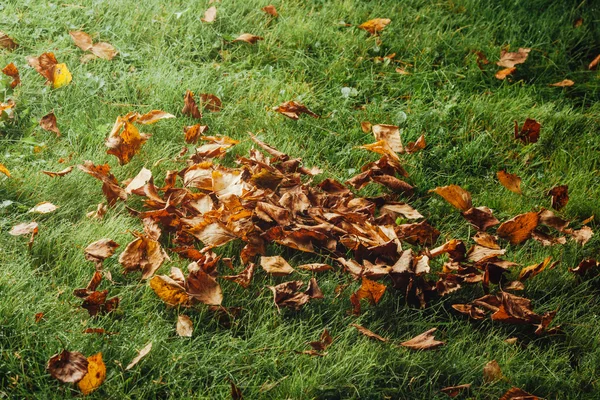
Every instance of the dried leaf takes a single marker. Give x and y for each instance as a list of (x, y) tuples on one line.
[(592, 65), (26, 228), (271, 10), (510, 59), (563, 83), (11, 71), (203, 287), (529, 132), (560, 196), (82, 40), (418, 145), (138, 182), (95, 376), (248, 38), (515, 393), (492, 372), (100, 250), (369, 290), (4, 170), (583, 235), (368, 333), (453, 391), (141, 354), (210, 15), (192, 133), (59, 173), (124, 140), (424, 341), (68, 367), (533, 270), (44, 208), (190, 107), (481, 218), (390, 134), (292, 109), (169, 290), (519, 228), (456, 196), (104, 50), (374, 26), (503, 73), (185, 327), (276, 266), (316, 267), (48, 123), (510, 181), (6, 42)]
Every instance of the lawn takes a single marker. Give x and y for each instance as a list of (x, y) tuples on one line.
[(312, 53)]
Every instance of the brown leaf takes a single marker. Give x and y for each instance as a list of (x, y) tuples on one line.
[(248, 38), (453, 391), (44, 208), (190, 107), (374, 26), (151, 117), (192, 133), (210, 15), (323, 343), (510, 181), (169, 290), (390, 134), (560, 196), (563, 83), (276, 266), (100, 250), (418, 145), (368, 333), (456, 196), (400, 209), (292, 109), (139, 181), (99, 212), (244, 278), (26, 228), (370, 290), (481, 60), (530, 131), (419, 233), (95, 376), (125, 141), (316, 267), (210, 102), (48, 123), (271, 10), (82, 40), (402, 71), (585, 266), (583, 235), (68, 367), (141, 354), (510, 59), (366, 126), (424, 341), (533, 270), (145, 252), (287, 294), (519, 228), (203, 287), (578, 22), (480, 217), (486, 240), (548, 218), (59, 173), (104, 50), (184, 327), (47, 66), (12, 71), (6, 42), (592, 65), (503, 73), (492, 372), (515, 393)]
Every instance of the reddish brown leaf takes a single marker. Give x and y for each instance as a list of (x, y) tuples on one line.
[(510, 181), (68, 367), (244, 278), (515, 393), (592, 65), (190, 107), (510, 59), (529, 132), (100, 250), (292, 109), (248, 38), (48, 123), (6, 42), (11, 71), (271, 10), (560, 196), (389, 134), (492, 372), (533, 270), (368, 333), (416, 146), (503, 73), (424, 341), (563, 83), (453, 391), (59, 173), (370, 290), (481, 218), (519, 228), (124, 140)]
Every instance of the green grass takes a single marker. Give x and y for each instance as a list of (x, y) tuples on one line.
[(466, 114)]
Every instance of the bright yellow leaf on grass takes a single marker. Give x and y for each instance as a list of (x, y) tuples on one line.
[(61, 76), (4, 170), (96, 373), (169, 291)]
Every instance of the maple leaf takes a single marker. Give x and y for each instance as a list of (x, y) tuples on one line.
[(369, 290), (390, 134), (84, 42), (481, 218), (503, 73), (276, 266), (124, 140), (110, 185), (100, 250), (145, 252), (12, 71), (56, 74)]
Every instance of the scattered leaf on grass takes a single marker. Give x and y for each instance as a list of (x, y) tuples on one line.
[(374, 26), (594, 63), (529, 132), (210, 15), (6, 42), (125, 140), (4, 170), (169, 291), (248, 38), (389, 134), (99, 212), (418, 145), (44, 207), (560, 196), (292, 109), (563, 83), (12, 71), (492, 372), (424, 341), (68, 367), (276, 266), (582, 236), (95, 376), (48, 123), (515, 393), (26, 228), (141, 354), (455, 195), (189, 106), (56, 74), (370, 290), (84, 42), (453, 391), (481, 218), (185, 327), (519, 228), (585, 266), (503, 73), (271, 10), (100, 250), (533, 270), (510, 59), (59, 173), (510, 181), (368, 333)]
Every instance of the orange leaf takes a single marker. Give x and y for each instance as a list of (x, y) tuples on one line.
[(519, 228), (455, 195), (374, 26), (96, 374), (510, 181), (48, 123)]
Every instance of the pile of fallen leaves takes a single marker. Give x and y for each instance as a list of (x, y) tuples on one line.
[(271, 197)]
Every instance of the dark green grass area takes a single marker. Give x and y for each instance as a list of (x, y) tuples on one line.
[(308, 55)]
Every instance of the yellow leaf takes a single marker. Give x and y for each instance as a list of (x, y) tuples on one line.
[(61, 76), (95, 376), (4, 170), (169, 291)]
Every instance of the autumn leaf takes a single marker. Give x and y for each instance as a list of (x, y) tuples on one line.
[(110, 185), (26, 228), (418, 145), (369, 290), (55, 73), (59, 173), (519, 228), (95, 376), (169, 290), (455, 195), (141, 354), (99, 212), (48, 123), (515, 393), (503, 73), (184, 327), (390, 134), (292, 109), (44, 207), (6, 42), (560, 196), (510, 181), (510, 59), (100, 250), (190, 107), (529, 132), (192, 133), (424, 341), (368, 333), (276, 266), (248, 38), (12, 71), (68, 367), (4, 170), (203, 287), (563, 83), (244, 278), (210, 15), (210, 102), (492, 372), (271, 10), (124, 140), (592, 65), (145, 252), (453, 391), (374, 26), (481, 218), (533, 270)]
